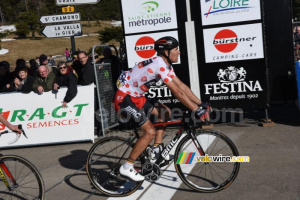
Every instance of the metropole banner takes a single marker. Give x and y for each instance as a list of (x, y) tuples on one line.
[(141, 47), (144, 16), (229, 11), (232, 43), (45, 121)]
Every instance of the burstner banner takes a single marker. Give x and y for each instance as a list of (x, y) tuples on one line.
[(144, 16), (45, 121), (231, 43)]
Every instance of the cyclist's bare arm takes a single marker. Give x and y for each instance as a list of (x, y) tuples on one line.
[(182, 94), (9, 125), (187, 90)]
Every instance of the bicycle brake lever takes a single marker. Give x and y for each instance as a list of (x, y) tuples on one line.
[(20, 127)]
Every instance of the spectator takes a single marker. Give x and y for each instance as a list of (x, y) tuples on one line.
[(65, 77), (44, 81), (67, 54), (96, 57), (7, 66), (297, 36), (87, 74), (32, 71), (113, 60), (20, 64), (75, 57), (51, 61), (44, 61), (37, 59), (5, 77), (76, 65), (22, 83)]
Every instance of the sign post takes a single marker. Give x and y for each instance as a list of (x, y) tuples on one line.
[(75, 2)]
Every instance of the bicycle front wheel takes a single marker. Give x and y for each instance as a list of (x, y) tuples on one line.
[(103, 164), (28, 183), (206, 176)]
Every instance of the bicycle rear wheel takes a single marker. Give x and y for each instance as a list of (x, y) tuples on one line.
[(103, 163), (29, 182), (207, 176)]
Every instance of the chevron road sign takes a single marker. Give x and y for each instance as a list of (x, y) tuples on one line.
[(62, 30), (60, 18)]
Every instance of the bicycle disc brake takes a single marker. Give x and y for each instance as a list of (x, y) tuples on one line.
[(151, 171)]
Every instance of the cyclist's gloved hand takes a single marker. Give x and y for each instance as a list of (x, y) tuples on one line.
[(202, 111)]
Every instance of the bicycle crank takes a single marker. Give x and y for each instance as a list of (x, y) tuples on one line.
[(151, 171)]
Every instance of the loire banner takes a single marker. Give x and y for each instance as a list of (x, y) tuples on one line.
[(144, 16), (220, 11), (243, 42), (45, 121)]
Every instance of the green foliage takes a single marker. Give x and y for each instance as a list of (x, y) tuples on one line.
[(98, 50), (29, 22), (109, 34), (104, 10), (296, 9), (22, 29), (2, 35)]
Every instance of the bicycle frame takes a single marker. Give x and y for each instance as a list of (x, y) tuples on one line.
[(185, 127), (4, 169)]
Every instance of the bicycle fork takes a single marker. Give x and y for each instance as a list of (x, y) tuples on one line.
[(3, 169)]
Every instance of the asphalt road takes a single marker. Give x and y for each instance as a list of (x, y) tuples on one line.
[(272, 173)]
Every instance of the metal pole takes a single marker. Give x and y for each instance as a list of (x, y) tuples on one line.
[(192, 52), (97, 86), (73, 45)]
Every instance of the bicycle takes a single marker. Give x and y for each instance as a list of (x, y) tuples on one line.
[(107, 155), (20, 177)]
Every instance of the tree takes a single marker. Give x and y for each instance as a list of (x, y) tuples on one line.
[(22, 29), (29, 22), (113, 33), (296, 9)]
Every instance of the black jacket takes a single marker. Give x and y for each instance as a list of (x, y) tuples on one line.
[(26, 87), (87, 75), (69, 80)]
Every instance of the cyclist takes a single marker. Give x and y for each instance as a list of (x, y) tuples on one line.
[(130, 100), (9, 125)]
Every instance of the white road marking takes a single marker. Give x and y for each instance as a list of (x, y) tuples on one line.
[(168, 183)]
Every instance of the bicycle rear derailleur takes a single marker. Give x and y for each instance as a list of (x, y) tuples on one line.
[(151, 171)]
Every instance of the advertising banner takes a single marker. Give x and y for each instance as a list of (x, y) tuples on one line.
[(144, 16), (231, 43), (220, 11), (234, 84), (45, 121), (141, 47)]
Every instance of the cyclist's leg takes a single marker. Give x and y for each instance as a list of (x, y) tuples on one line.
[(162, 113), (136, 109), (127, 168)]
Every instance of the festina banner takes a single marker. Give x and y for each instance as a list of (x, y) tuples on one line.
[(234, 84), (144, 16), (45, 121), (220, 11)]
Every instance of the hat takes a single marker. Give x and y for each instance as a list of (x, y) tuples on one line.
[(43, 57)]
